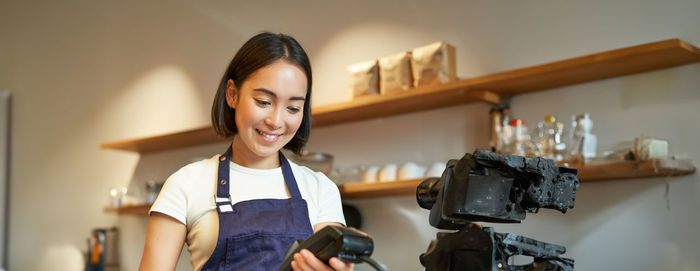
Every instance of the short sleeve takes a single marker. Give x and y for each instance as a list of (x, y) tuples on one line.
[(330, 207), (172, 199)]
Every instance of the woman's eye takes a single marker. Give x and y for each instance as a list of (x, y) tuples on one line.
[(293, 109), (261, 102)]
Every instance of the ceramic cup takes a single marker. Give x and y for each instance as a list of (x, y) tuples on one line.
[(436, 169), (388, 173), (410, 170), (370, 175)]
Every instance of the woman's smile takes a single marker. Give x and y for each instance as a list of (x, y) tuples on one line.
[(269, 137)]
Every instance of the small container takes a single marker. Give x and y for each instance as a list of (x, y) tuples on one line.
[(152, 190), (370, 175), (117, 196), (409, 171), (589, 141), (436, 169), (388, 173), (317, 161)]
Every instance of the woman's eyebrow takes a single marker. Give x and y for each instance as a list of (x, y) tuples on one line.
[(268, 92)]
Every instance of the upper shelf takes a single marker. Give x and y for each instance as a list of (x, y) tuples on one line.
[(629, 60)]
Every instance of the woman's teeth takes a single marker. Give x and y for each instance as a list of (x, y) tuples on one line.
[(268, 136)]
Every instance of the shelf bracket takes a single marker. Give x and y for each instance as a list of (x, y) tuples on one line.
[(487, 96)]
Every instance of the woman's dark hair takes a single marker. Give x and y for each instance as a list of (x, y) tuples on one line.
[(261, 50)]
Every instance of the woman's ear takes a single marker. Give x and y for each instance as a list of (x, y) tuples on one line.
[(231, 94)]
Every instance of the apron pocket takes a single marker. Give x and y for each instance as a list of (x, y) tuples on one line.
[(257, 251)]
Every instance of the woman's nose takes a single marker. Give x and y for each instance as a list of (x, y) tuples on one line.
[(274, 119)]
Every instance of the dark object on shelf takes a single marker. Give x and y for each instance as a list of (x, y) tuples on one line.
[(353, 218), (102, 254), (490, 187), (348, 244)]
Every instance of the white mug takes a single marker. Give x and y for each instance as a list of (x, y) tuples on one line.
[(388, 173), (410, 170), (436, 169), (370, 175)]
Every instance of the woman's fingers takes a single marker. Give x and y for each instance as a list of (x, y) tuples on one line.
[(341, 265), (305, 260)]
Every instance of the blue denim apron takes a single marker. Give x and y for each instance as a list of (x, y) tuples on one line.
[(255, 234)]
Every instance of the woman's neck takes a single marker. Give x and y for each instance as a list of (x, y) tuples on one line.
[(244, 157)]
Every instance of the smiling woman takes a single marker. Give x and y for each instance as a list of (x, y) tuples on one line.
[(243, 209), (268, 112)]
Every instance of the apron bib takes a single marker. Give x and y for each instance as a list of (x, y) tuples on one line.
[(255, 234)]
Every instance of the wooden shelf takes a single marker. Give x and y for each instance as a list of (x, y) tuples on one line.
[(633, 169), (140, 210), (587, 173), (165, 142), (385, 189), (630, 60)]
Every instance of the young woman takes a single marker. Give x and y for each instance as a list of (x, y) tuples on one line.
[(241, 210)]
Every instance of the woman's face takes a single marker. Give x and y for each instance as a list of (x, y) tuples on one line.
[(269, 108)]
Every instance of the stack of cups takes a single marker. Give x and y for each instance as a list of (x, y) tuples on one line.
[(407, 171)]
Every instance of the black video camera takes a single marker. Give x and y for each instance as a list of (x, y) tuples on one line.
[(499, 188)]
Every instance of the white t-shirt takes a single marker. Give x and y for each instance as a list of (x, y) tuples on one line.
[(188, 196)]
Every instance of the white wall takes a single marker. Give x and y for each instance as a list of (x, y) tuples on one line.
[(85, 72)]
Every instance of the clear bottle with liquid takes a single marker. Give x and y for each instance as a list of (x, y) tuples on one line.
[(519, 142), (549, 139)]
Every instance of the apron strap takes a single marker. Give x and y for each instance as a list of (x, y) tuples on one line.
[(222, 181), (289, 177), (222, 185)]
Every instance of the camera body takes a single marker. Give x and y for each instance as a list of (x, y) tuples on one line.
[(499, 188)]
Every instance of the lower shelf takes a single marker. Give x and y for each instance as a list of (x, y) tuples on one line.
[(373, 190), (130, 210), (587, 173), (633, 169)]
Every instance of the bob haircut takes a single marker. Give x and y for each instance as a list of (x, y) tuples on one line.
[(261, 50)]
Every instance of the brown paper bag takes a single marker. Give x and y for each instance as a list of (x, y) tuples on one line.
[(364, 78), (434, 64), (395, 73)]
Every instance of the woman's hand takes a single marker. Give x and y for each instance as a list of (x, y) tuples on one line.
[(305, 261)]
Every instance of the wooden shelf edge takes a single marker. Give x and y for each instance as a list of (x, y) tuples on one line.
[(137, 210), (587, 173), (597, 66), (634, 169), (180, 139), (412, 100), (381, 189)]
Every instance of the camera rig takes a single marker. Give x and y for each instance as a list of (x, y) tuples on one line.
[(499, 188)]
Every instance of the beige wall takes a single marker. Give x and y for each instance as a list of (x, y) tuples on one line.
[(85, 72)]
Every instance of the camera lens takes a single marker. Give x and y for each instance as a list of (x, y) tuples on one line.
[(426, 193)]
